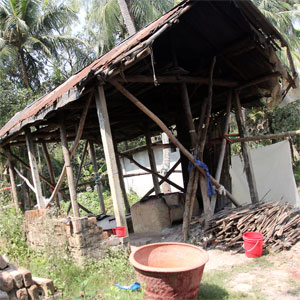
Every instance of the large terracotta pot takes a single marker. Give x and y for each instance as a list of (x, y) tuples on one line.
[(170, 270)]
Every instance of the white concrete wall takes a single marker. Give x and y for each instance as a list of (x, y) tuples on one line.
[(143, 183)]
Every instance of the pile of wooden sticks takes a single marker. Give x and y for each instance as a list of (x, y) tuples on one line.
[(279, 223)]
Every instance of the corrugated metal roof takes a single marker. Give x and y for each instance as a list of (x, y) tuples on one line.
[(68, 91)]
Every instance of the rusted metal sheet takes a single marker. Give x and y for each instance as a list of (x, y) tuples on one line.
[(69, 91)]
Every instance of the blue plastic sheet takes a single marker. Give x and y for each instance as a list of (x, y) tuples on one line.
[(132, 287)]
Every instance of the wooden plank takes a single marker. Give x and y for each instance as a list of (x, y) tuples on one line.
[(223, 148), (246, 150), (110, 157), (11, 171), (34, 170), (69, 170), (174, 140), (97, 176), (152, 163)]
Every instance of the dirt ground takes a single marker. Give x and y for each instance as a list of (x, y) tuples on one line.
[(273, 276)]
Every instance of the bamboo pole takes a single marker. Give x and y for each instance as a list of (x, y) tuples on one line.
[(223, 149), (97, 176), (11, 171), (151, 172), (150, 114), (25, 180), (152, 163), (50, 169), (246, 150), (34, 170), (69, 170)]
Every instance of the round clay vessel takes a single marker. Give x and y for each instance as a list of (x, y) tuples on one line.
[(169, 270)]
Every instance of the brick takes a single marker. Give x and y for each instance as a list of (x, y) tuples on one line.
[(3, 295), (22, 294), (27, 277), (33, 292), (46, 285), (3, 263), (6, 281), (17, 277)]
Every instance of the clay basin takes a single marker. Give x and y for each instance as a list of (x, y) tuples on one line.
[(169, 270)]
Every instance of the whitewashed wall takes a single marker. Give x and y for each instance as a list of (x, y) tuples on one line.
[(143, 183)]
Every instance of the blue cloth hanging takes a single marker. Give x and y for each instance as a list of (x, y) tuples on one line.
[(134, 286), (210, 188)]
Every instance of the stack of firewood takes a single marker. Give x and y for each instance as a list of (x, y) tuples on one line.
[(279, 223)]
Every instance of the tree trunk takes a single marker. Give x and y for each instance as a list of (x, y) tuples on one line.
[(24, 71), (127, 17)]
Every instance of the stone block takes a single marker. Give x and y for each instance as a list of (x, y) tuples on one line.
[(150, 216), (22, 294), (33, 215), (27, 277), (33, 292), (6, 281), (45, 285), (173, 199), (3, 263), (17, 277), (3, 295)]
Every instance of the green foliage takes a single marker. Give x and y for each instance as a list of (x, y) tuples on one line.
[(12, 240)]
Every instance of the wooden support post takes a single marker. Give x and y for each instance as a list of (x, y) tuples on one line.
[(123, 188), (166, 188), (69, 170), (172, 138), (34, 170), (223, 148), (50, 169), (97, 176), (110, 157), (245, 150), (82, 162), (152, 162), (12, 180)]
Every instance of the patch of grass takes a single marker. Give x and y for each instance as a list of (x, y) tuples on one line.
[(295, 288), (254, 264)]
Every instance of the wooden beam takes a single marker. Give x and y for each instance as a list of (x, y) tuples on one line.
[(246, 150), (50, 169), (74, 145), (34, 170), (97, 176), (152, 162), (173, 139), (223, 149), (265, 137), (110, 157), (151, 172), (258, 80), (25, 180), (177, 79), (164, 179), (69, 170), (11, 170)]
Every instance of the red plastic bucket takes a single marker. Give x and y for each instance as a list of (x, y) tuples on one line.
[(119, 231), (253, 244)]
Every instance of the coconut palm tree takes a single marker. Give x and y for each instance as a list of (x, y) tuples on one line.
[(28, 34), (109, 22), (283, 15)]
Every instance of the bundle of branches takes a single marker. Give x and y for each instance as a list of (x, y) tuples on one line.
[(279, 224)]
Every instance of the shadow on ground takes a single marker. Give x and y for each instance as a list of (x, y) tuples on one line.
[(212, 292)]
